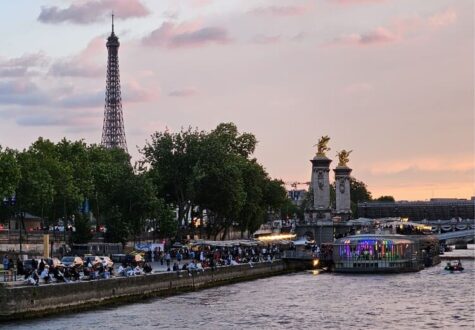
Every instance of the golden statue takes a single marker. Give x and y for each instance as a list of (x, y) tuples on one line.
[(322, 145), (343, 157)]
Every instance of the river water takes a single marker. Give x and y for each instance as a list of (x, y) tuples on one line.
[(432, 298)]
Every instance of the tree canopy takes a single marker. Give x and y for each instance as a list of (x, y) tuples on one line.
[(213, 176), (185, 179)]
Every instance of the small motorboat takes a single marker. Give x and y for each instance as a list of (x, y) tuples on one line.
[(453, 268)]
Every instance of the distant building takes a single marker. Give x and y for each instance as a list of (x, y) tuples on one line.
[(297, 196), (435, 209), (30, 222)]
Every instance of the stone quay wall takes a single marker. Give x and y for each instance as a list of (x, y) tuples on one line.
[(18, 302)]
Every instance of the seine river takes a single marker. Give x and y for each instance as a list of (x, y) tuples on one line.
[(432, 298)]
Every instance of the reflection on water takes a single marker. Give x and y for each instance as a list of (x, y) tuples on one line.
[(432, 298)]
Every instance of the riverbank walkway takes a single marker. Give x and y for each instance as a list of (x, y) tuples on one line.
[(157, 268)]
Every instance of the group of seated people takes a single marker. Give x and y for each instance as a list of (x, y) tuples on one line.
[(134, 269), (48, 273), (51, 273)]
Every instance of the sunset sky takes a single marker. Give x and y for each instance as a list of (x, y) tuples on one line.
[(392, 80)]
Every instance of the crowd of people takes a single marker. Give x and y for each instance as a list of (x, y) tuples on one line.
[(206, 256), (185, 258), (47, 271)]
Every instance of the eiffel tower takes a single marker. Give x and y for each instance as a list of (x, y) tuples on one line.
[(113, 133)]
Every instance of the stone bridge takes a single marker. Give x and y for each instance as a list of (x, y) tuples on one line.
[(457, 236)]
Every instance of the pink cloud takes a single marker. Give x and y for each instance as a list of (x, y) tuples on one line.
[(184, 92), (85, 12), (82, 64), (281, 10), (264, 40), (134, 92), (21, 91), (201, 3), (398, 30), (171, 35), (380, 35), (21, 66), (356, 2), (442, 19)]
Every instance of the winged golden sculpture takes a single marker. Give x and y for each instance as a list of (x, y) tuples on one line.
[(343, 157), (322, 145)]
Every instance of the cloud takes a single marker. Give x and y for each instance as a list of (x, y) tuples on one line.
[(171, 35), (78, 120), (380, 35), (356, 2), (442, 19), (280, 10), (13, 72), (397, 30), (81, 65), (71, 68), (38, 120), (133, 92), (185, 92), (94, 99), (201, 3), (26, 60), (171, 14), (21, 92), (85, 12), (21, 66), (264, 40)]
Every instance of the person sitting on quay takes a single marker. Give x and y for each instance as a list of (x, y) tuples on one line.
[(138, 270), (122, 270), (129, 271), (33, 278), (58, 275), (44, 275), (199, 267)]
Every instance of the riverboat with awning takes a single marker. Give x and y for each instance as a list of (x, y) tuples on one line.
[(374, 253)]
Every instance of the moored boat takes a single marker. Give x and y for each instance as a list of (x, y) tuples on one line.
[(373, 253)]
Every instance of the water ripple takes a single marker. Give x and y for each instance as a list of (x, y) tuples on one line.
[(429, 299)]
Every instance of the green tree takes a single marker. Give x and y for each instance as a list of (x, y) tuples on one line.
[(10, 175), (9, 172), (165, 219), (358, 193), (118, 230), (82, 233), (252, 213), (173, 159)]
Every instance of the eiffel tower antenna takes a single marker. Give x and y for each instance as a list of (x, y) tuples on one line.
[(113, 132)]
